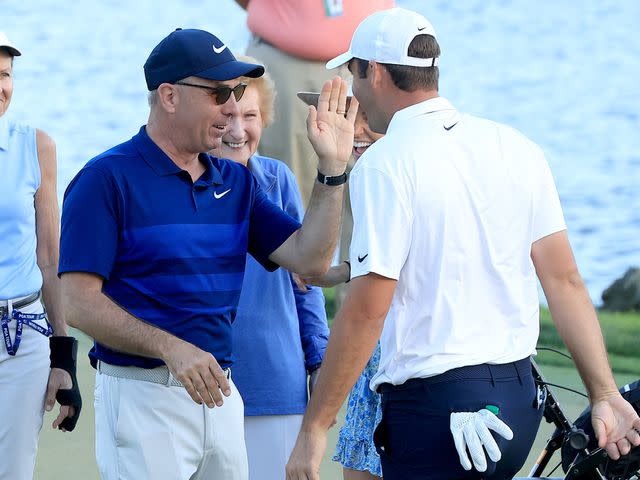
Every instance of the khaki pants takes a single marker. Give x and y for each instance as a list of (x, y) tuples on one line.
[(149, 431), (286, 139)]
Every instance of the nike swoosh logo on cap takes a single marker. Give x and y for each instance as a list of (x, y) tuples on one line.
[(420, 29), (219, 49), (450, 126), (220, 195)]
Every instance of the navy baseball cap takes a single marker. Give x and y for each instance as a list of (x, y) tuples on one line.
[(191, 52)]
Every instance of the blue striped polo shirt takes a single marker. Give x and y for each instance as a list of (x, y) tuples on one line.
[(172, 252)]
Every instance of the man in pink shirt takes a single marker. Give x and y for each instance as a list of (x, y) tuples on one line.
[(294, 40)]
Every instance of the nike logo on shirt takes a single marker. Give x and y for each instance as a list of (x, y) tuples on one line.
[(220, 195), (361, 259), (450, 126)]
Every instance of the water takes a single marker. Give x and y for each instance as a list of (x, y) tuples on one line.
[(563, 72)]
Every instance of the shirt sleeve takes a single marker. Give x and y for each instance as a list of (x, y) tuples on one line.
[(310, 305), (382, 223), (269, 227), (89, 227), (548, 217)]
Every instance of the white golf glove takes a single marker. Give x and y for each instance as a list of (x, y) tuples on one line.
[(470, 430)]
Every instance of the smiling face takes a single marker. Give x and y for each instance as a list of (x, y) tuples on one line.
[(6, 80), (241, 139), (363, 135)]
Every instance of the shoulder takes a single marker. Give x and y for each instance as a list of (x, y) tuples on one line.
[(506, 132), (275, 167), (46, 148), (45, 142), (115, 159)]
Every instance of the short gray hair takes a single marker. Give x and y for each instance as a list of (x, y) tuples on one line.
[(152, 97)]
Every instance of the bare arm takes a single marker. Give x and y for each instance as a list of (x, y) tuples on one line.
[(310, 249), (576, 320), (572, 312), (48, 231), (89, 310), (335, 275), (362, 317)]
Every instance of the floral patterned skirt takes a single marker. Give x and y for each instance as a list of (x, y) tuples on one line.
[(355, 448)]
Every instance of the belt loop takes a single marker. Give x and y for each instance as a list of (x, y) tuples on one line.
[(516, 365), (493, 382), (169, 378)]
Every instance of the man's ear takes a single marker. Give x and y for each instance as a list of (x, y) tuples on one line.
[(375, 73), (168, 97)]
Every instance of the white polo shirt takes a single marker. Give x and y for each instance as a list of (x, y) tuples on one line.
[(448, 205)]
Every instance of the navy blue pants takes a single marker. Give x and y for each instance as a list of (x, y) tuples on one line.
[(414, 439)]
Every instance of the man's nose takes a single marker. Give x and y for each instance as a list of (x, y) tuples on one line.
[(231, 107)]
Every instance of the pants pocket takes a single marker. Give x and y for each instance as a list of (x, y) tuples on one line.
[(380, 432)]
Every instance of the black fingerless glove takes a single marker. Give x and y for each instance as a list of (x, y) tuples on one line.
[(64, 354)]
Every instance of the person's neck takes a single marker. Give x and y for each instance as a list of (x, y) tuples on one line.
[(402, 99), (163, 138)]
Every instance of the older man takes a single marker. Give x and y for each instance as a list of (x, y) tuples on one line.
[(455, 216), (154, 240)]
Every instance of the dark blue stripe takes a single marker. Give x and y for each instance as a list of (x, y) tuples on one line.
[(180, 266)]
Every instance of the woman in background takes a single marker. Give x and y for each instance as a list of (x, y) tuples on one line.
[(29, 237), (280, 332)]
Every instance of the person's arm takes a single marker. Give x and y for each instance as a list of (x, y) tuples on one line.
[(47, 252), (48, 232), (310, 249), (334, 276), (312, 319), (91, 311), (615, 423), (361, 316)]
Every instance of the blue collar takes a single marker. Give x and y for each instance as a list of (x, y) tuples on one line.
[(265, 179), (163, 165), (4, 133)]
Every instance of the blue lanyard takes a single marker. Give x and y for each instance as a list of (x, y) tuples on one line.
[(21, 319)]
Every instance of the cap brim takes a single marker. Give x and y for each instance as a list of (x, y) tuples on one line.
[(231, 70), (13, 51), (339, 60), (311, 98)]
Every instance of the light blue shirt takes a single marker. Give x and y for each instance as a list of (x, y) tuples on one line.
[(19, 181), (279, 333)]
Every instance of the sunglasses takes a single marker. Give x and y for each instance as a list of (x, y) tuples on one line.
[(221, 94)]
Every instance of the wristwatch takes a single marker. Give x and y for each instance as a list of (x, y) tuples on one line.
[(332, 181)]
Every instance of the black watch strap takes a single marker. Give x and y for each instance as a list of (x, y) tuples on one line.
[(332, 181)]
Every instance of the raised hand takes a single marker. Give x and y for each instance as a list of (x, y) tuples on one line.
[(199, 372), (329, 130)]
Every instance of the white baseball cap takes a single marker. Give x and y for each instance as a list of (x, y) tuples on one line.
[(5, 43), (385, 36)]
